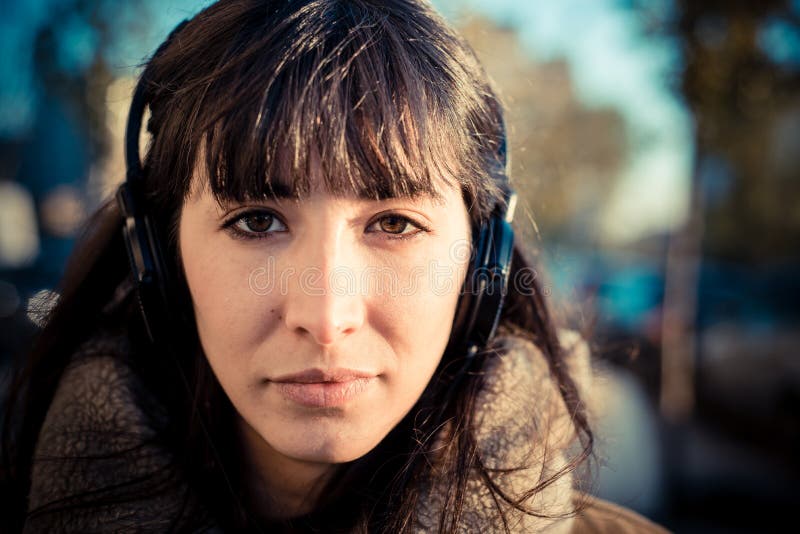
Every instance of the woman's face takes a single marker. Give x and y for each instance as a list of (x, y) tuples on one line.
[(324, 319)]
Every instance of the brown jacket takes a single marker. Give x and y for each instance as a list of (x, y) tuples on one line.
[(603, 517), (94, 417)]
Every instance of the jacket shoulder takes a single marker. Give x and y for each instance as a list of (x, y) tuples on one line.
[(98, 456), (598, 516)]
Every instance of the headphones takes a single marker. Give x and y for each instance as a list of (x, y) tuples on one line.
[(482, 294)]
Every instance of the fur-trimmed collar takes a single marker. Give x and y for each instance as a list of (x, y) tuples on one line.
[(524, 433)]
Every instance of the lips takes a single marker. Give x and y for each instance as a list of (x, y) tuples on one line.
[(310, 376), (316, 388)]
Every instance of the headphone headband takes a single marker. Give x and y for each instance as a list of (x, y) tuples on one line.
[(139, 102)]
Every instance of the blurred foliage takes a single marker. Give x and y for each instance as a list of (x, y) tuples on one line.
[(744, 91), (78, 80), (67, 52), (565, 157)]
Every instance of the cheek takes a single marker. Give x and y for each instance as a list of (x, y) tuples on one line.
[(231, 311), (418, 320)]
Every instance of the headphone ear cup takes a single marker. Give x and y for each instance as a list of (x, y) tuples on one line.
[(158, 301), (483, 292), (147, 263), (140, 231), (469, 298), (498, 270)]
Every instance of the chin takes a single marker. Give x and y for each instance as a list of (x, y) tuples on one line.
[(327, 447), (331, 455)]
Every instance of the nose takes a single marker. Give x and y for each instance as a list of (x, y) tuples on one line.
[(323, 302)]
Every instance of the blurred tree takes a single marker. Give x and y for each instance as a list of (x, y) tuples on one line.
[(67, 53), (61, 56), (565, 157), (71, 69), (742, 81), (730, 311)]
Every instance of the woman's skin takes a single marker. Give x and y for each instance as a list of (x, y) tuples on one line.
[(328, 287)]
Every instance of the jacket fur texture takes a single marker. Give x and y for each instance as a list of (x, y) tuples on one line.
[(95, 434)]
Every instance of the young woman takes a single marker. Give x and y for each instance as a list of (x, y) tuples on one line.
[(305, 311)]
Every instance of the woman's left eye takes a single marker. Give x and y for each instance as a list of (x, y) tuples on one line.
[(396, 227)]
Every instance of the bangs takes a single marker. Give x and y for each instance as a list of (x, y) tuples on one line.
[(354, 98)]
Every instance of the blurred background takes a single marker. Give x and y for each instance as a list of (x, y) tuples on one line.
[(656, 149)]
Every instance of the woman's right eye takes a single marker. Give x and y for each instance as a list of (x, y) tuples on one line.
[(256, 224)]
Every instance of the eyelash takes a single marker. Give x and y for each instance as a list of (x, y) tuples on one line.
[(230, 226), (400, 237)]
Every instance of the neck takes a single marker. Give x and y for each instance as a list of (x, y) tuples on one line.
[(283, 487)]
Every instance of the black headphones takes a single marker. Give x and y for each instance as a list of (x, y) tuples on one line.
[(482, 294)]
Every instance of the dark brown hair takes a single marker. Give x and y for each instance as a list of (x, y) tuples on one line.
[(383, 99)]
